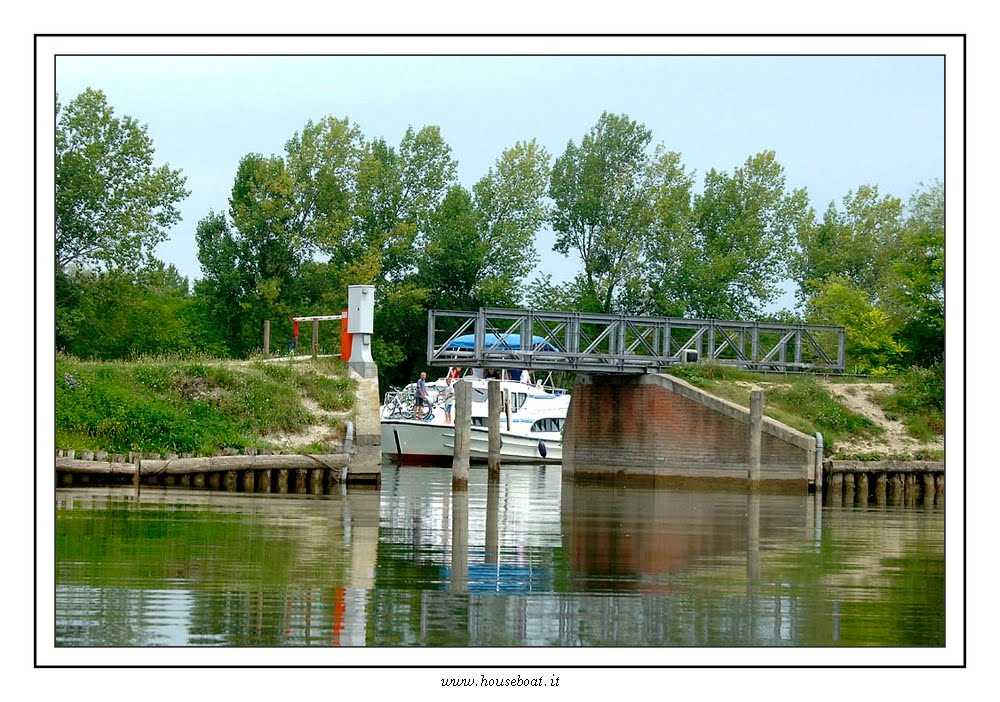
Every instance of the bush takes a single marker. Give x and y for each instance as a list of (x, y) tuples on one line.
[(919, 401)]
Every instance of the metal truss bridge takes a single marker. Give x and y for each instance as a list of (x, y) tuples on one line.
[(602, 343)]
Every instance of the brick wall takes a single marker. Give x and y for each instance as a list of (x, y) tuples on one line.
[(660, 427)]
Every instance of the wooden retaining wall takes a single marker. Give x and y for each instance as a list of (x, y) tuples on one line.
[(251, 471), (883, 482)]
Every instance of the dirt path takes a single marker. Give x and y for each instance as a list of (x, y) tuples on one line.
[(894, 439)]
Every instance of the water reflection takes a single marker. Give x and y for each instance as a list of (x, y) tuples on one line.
[(526, 560)]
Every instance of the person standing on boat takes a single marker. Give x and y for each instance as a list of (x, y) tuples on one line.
[(448, 395), (525, 377), (422, 399)]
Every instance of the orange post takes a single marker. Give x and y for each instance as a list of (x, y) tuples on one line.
[(345, 338)]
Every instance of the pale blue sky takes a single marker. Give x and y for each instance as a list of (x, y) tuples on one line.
[(835, 122)]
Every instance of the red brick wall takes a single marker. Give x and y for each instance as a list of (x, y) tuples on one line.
[(634, 424)]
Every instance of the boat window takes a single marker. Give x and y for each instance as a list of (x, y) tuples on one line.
[(517, 400), (479, 395), (548, 424), (479, 421)]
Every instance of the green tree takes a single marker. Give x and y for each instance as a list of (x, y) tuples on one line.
[(509, 201), (857, 242), (743, 227), (224, 282), (871, 344), (121, 314), (454, 258), (113, 204), (322, 162), (671, 247), (915, 280), (601, 210)]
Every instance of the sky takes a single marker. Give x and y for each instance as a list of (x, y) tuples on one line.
[(834, 122)]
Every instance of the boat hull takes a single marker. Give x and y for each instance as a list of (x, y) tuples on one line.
[(423, 443)]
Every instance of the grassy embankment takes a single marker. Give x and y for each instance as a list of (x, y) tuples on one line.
[(805, 402), (197, 407)]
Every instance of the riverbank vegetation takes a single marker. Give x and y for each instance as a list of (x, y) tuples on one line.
[(902, 419), (338, 207), (200, 407)]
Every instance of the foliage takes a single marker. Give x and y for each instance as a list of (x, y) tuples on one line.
[(855, 243), (600, 207), (871, 345), (743, 226), (113, 204), (114, 314), (509, 204), (919, 401), (915, 286), (164, 405)]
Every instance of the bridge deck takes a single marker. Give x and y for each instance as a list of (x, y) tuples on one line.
[(599, 343)]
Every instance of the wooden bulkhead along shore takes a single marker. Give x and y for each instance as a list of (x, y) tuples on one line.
[(249, 472), (883, 482)]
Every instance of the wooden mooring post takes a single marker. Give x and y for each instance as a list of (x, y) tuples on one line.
[(494, 402), (463, 436), (756, 426)]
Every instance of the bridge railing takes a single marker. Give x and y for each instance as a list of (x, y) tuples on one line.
[(601, 343)]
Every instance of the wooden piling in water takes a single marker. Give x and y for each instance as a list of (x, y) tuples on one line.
[(282, 481), (861, 489), (494, 402), (928, 488), (316, 481), (301, 482), (848, 496), (756, 426), (264, 480), (881, 488), (463, 435), (836, 488), (231, 481), (896, 489)]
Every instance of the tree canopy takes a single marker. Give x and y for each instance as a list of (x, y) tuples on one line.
[(113, 204)]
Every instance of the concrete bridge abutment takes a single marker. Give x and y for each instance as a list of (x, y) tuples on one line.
[(660, 430)]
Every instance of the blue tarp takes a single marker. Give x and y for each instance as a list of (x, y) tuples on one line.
[(499, 342)]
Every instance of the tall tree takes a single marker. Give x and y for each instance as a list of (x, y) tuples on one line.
[(672, 247), (509, 200), (915, 280), (601, 211), (322, 162), (856, 242), (452, 264), (744, 225), (113, 204)]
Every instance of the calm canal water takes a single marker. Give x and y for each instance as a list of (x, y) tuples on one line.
[(531, 561)]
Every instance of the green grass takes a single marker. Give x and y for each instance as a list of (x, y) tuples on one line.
[(799, 401), (918, 402), (195, 406)]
